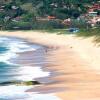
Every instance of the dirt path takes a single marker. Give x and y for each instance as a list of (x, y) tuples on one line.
[(76, 62)]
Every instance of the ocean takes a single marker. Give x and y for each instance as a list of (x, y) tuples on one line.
[(10, 47)]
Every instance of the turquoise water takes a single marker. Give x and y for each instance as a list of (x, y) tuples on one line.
[(9, 49), (3, 49)]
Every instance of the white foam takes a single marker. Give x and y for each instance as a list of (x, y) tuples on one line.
[(42, 97), (2, 39), (14, 46), (12, 91), (6, 56), (18, 93), (28, 73), (20, 47)]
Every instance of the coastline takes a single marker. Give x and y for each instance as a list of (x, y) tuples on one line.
[(76, 60)]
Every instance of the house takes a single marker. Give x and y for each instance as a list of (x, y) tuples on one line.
[(92, 14), (1, 8), (92, 10), (5, 1), (94, 21), (94, 7), (14, 7), (51, 17), (17, 19), (67, 21)]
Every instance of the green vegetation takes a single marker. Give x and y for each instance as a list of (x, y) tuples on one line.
[(22, 14), (20, 83), (90, 32), (82, 32)]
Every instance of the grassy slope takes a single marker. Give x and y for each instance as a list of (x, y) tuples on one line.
[(82, 33)]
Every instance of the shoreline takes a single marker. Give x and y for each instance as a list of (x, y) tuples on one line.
[(31, 64), (75, 59)]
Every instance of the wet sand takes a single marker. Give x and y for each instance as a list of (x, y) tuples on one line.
[(74, 64)]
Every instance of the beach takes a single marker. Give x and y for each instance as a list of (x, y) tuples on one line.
[(74, 63)]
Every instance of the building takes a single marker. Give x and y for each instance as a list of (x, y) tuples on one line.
[(5, 1)]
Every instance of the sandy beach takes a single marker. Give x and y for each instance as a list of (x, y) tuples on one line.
[(75, 62)]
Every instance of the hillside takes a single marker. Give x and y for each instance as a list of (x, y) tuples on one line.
[(22, 14)]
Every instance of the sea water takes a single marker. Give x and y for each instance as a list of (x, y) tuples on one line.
[(9, 47)]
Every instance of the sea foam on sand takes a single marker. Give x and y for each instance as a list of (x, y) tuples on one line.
[(20, 72), (18, 93), (28, 73)]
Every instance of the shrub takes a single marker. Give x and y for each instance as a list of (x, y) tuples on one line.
[(79, 23), (29, 17), (51, 24), (18, 26), (2, 14)]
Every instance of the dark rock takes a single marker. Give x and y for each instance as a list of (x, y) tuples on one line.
[(20, 83)]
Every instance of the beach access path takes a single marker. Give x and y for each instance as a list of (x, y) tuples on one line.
[(75, 59)]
